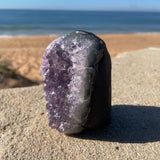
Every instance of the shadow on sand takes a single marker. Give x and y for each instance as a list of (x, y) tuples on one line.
[(10, 79), (129, 124)]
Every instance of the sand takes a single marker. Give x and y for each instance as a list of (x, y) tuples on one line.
[(134, 133), (23, 55)]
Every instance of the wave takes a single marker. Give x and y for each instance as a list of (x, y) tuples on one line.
[(5, 36), (18, 27), (28, 35)]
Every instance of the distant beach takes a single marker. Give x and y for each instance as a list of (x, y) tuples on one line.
[(20, 57), (48, 22)]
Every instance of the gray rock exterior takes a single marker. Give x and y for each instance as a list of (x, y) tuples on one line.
[(76, 70)]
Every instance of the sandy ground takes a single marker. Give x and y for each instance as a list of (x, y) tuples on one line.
[(134, 133), (22, 55)]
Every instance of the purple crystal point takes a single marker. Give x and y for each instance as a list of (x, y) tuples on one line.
[(76, 70)]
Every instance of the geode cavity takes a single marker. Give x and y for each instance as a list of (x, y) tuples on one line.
[(76, 70)]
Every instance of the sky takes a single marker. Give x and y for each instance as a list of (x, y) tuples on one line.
[(106, 5)]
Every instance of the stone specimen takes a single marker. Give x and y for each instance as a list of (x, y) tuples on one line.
[(76, 70)]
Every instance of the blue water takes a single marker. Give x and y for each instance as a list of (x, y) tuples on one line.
[(40, 22)]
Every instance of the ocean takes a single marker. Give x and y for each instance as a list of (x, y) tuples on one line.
[(47, 22)]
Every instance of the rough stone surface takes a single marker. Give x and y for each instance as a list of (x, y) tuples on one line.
[(134, 133), (76, 70)]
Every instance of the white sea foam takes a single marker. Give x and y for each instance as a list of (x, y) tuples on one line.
[(25, 35), (5, 36)]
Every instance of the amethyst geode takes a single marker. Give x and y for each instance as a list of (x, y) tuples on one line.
[(76, 70)]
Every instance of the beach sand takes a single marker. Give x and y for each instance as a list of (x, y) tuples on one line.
[(20, 57), (134, 132)]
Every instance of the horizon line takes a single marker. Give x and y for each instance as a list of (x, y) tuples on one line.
[(90, 10)]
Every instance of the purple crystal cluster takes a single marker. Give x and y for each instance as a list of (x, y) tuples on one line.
[(73, 66)]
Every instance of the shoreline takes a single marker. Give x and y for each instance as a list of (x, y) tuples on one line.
[(98, 34)]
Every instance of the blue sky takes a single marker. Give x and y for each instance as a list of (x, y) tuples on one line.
[(131, 5)]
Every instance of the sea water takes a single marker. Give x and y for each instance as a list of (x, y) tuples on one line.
[(48, 22)]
